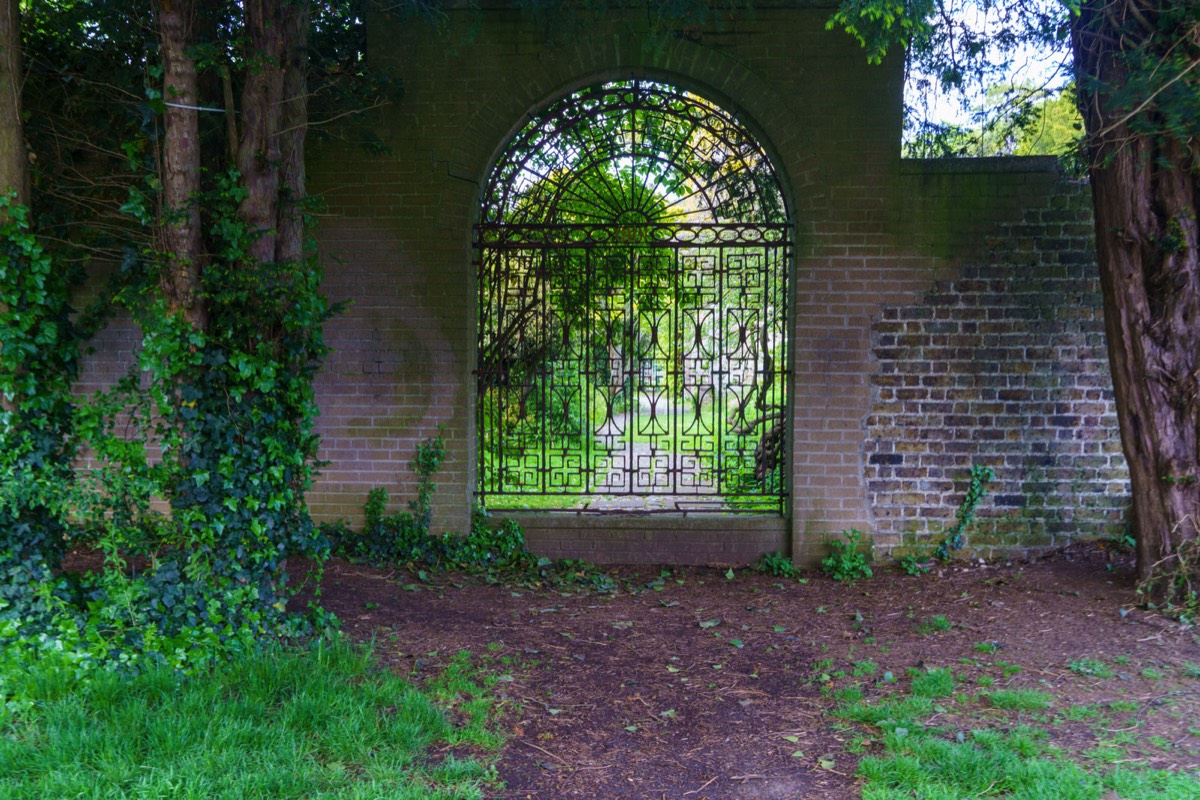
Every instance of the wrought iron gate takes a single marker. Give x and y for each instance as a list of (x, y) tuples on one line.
[(633, 339)]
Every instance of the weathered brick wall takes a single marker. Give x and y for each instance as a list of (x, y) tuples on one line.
[(1004, 366), (873, 237), (398, 243), (871, 232)]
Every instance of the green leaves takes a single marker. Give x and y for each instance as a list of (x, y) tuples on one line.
[(845, 562), (880, 25), (39, 352), (230, 409), (981, 476)]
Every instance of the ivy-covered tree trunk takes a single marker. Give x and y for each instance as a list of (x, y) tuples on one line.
[(241, 397), (38, 359), (1137, 68), (14, 166), (181, 230)]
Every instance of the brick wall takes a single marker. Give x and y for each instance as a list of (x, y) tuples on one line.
[(1004, 366), (884, 248), (398, 232), (871, 231)]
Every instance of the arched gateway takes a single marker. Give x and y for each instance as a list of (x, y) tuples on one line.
[(633, 253)]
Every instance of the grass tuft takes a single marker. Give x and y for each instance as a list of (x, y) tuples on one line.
[(322, 722), (937, 682), (934, 624), (1020, 699)]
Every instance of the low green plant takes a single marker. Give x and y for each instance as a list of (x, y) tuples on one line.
[(1008, 669), (1020, 699), (777, 565), (1174, 584), (1124, 543), (492, 548), (913, 564), (489, 545), (1090, 667), (980, 477), (864, 668), (846, 562), (402, 537), (984, 751), (937, 622), (935, 682)]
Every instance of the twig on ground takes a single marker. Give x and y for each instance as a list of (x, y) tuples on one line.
[(702, 787), (559, 759)]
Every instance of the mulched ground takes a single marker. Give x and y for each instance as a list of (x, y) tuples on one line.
[(642, 694)]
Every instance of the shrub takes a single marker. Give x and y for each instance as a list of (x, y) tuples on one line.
[(778, 565), (846, 562)]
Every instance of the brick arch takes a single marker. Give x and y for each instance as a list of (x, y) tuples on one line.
[(721, 80)]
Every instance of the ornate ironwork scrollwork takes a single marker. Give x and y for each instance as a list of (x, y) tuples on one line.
[(633, 256)]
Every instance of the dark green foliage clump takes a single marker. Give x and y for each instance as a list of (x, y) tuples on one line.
[(216, 424), (778, 565), (402, 537), (846, 563), (39, 355), (494, 549), (405, 537)]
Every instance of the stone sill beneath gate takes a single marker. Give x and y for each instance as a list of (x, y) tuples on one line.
[(661, 538)]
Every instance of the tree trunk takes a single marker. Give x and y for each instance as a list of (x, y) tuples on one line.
[(181, 231), (274, 123), (14, 163), (1146, 188)]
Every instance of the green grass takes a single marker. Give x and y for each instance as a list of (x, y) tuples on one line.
[(933, 744), (864, 668), (326, 722), (933, 683), (1091, 667), (1015, 763), (937, 623), (1020, 699)]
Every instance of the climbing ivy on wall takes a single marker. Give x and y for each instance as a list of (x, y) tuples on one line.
[(38, 363), (230, 407), (200, 457)]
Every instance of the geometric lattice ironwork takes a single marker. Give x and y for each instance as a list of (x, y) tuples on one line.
[(632, 257)]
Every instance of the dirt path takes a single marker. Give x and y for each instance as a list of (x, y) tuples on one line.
[(685, 684)]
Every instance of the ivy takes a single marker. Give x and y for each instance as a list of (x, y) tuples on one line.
[(229, 410), (494, 550), (201, 457), (38, 364), (981, 476), (404, 536)]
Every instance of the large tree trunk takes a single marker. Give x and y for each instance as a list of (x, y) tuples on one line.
[(14, 164), (182, 235), (274, 120), (1146, 188)]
